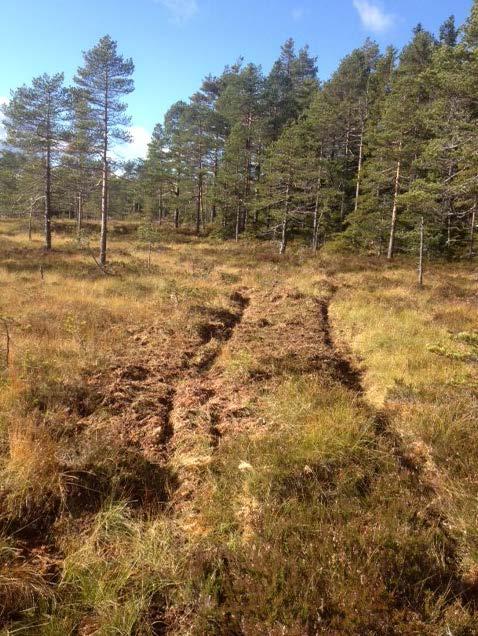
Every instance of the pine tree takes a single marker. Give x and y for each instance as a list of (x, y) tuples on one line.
[(232, 182), (289, 188), (156, 174), (399, 137), (349, 90), (465, 85), (289, 88), (240, 105), (79, 161), (35, 124), (448, 32), (177, 156), (366, 225), (103, 80), (196, 122), (321, 167), (12, 165)]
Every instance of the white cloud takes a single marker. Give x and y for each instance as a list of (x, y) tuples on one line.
[(180, 10), (138, 146), (373, 17), (297, 14)]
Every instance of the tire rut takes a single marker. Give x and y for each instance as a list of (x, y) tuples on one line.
[(345, 371), (194, 414), (281, 332)]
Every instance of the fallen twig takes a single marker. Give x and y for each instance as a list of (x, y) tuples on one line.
[(101, 267)]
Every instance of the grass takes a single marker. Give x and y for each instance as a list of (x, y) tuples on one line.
[(311, 527), (31, 474), (396, 326), (417, 348), (303, 516)]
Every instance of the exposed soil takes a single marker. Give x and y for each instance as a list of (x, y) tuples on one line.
[(281, 333), (140, 392)]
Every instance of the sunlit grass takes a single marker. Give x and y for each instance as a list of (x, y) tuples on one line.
[(394, 325), (304, 521), (416, 346)]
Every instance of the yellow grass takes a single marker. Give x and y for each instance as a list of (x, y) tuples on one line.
[(420, 367)]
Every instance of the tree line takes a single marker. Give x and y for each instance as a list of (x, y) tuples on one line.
[(381, 157), (64, 135)]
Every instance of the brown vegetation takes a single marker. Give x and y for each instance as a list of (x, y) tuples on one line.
[(188, 446)]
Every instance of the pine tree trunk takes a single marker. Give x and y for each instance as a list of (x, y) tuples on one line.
[(342, 205), (422, 246), (104, 181), (79, 218), (472, 231), (176, 209), (245, 217), (347, 149), (161, 206), (198, 206), (347, 137), (202, 213), (216, 170), (359, 168), (450, 214), (283, 243), (30, 220), (285, 222), (48, 200), (238, 222), (315, 234), (104, 212), (315, 231), (391, 243)]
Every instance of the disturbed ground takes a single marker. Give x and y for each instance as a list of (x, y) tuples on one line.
[(172, 399), (222, 472)]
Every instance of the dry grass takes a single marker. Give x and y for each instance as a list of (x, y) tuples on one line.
[(300, 515), (418, 352), (31, 474)]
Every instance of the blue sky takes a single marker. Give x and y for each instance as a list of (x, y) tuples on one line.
[(175, 43)]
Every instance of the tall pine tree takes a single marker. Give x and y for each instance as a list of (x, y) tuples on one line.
[(35, 124), (104, 79)]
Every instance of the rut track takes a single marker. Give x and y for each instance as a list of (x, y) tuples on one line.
[(286, 333), (201, 402), (138, 393)]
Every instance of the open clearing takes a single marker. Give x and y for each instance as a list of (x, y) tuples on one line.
[(229, 442)]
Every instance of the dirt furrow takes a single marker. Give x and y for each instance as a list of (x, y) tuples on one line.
[(138, 393), (282, 333)]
